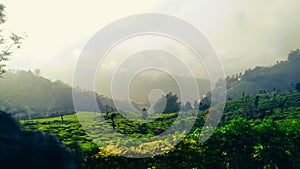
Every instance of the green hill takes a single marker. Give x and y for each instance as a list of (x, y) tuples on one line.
[(283, 77), (24, 93)]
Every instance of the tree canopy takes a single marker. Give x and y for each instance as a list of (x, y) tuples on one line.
[(167, 104), (7, 44)]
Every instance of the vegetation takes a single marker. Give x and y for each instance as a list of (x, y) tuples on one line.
[(283, 76), (167, 104), (297, 87), (258, 131), (31, 149), (260, 127), (26, 94), (7, 44), (240, 141)]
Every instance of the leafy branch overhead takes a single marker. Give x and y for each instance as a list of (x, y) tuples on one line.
[(7, 43)]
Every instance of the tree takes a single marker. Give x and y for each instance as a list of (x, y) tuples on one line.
[(196, 105), (256, 101), (187, 106), (62, 118), (144, 113), (37, 72), (6, 44), (298, 87), (294, 55), (112, 117), (204, 103), (167, 104)]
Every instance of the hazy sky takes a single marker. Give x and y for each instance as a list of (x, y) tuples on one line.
[(245, 33)]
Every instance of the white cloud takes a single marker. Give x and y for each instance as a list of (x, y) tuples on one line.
[(76, 52), (245, 33)]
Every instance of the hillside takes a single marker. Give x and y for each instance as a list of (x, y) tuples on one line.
[(28, 93), (283, 76), (24, 93), (276, 106)]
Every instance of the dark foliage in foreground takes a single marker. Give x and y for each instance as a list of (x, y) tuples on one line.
[(35, 150)]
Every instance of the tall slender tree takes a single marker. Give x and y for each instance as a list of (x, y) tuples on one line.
[(7, 44)]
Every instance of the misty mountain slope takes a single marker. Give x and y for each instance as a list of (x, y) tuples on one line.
[(23, 92), (141, 85), (283, 76), (141, 88), (26, 91)]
